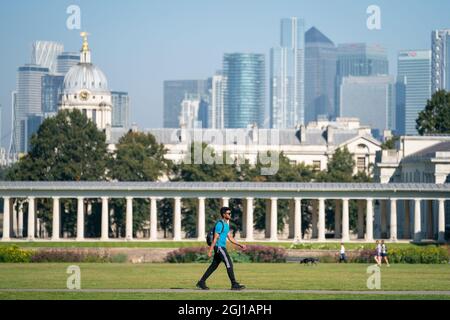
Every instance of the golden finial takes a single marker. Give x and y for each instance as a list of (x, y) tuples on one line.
[(85, 47)]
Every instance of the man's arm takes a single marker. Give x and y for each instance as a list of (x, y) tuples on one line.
[(213, 244), (233, 241)]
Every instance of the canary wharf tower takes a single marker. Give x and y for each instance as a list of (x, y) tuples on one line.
[(86, 89)]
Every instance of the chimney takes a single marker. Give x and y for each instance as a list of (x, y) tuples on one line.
[(330, 135), (255, 133), (302, 133)]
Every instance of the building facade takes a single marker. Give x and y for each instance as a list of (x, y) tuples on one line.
[(216, 118), (52, 89), (245, 89), (28, 100), (65, 61), (440, 60), (45, 54), (174, 93), (371, 99), (320, 75), (287, 76), (414, 75), (120, 109)]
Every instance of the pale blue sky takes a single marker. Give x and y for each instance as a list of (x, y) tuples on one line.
[(141, 43)]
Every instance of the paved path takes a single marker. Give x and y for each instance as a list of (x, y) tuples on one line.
[(333, 292)]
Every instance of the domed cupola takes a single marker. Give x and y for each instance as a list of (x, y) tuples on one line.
[(86, 89)]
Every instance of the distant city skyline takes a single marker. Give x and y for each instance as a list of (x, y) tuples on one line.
[(164, 40)]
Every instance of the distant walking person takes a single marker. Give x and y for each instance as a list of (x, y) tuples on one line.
[(384, 254), (342, 256), (219, 245), (378, 253)]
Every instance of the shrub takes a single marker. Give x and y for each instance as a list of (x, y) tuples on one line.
[(412, 255), (69, 256), (251, 254), (265, 254), (14, 254)]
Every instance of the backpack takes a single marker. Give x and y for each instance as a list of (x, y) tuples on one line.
[(210, 235)]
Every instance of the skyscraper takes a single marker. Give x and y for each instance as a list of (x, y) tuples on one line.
[(245, 89), (217, 102), (440, 72), (28, 101), (287, 76), (174, 93), (371, 99), (45, 53), (120, 109), (320, 75), (414, 73), (67, 60), (52, 88), (359, 60)]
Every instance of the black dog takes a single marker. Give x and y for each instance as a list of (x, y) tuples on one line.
[(309, 261)]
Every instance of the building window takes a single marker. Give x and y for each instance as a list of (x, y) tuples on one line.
[(316, 166), (361, 164)]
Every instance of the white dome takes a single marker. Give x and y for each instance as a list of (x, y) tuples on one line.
[(85, 76)]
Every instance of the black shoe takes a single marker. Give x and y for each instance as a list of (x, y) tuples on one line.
[(202, 285), (237, 286)]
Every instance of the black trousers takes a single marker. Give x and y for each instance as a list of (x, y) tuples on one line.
[(220, 255)]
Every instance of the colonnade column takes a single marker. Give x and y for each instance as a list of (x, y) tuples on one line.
[(225, 202), (360, 219), (6, 220), (201, 219), (393, 222), (80, 219), (441, 223), (153, 219), (20, 218), (298, 219), (417, 221), (345, 221), (407, 220), (56, 226), (249, 219), (177, 219), (14, 221), (105, 219), (337, 219), (31, 218), (129, 219), (321, 224), (369, 220), (273, 219)]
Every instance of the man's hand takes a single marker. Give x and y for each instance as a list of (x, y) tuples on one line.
[(243, 246), (210, 253)]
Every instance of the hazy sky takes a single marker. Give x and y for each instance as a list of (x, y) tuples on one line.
[(140, 43)]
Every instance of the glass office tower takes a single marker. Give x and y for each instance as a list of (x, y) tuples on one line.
[(414, 73), (244, 97), (287, 76), (320, 75), (120, 109), (67, 60)]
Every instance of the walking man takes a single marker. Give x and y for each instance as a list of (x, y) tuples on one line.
[(218, 245), (342, 256)]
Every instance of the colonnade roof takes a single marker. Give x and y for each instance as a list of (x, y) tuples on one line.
[(225, 189)]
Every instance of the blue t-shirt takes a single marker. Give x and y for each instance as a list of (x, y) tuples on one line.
[(222, 228)]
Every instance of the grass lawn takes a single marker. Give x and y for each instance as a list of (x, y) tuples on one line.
[(288, 276), (182, 244)]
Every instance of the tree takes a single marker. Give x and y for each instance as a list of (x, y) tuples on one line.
[(138, 157), (67, 147), (339, 168), (435, 118), (389, 144)]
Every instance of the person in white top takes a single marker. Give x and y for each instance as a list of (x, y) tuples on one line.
[(378, 253), (342, 256)]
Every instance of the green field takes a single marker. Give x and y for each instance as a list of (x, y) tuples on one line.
[(179, 244), (290, 276)]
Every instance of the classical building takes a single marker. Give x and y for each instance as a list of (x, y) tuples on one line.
[(313, 144), (86, 89), (422, 160)]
